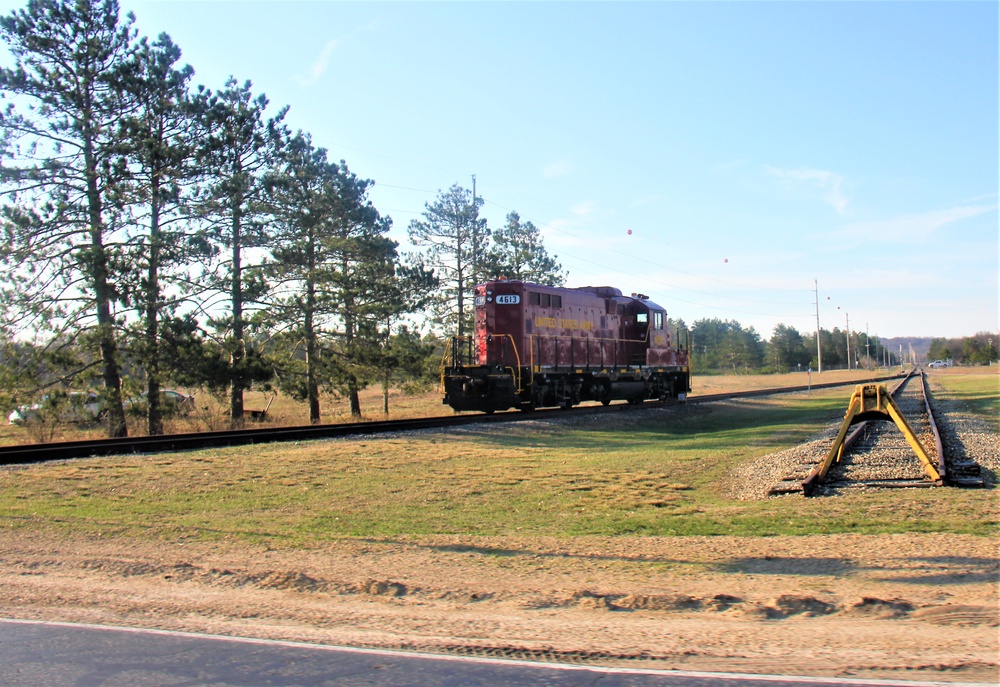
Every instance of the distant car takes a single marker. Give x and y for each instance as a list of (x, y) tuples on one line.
[(171, 403), (75, 406), (938, 363)]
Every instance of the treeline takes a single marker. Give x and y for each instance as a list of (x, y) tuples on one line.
[(980, 349), (724, 346), (159, 232)]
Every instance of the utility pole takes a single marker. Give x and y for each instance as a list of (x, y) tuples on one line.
[(868, 350), (475, 249), (819, 347), (848, 318), (475, 234)]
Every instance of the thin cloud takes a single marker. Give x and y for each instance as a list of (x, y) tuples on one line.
[(829, 185), (731, 165), (556, 169), (558, 224), (584, 209), (911, 227), (646, 200), (319, 66)]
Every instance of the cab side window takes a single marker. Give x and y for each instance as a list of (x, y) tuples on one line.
[(657, 320), (545, 300)]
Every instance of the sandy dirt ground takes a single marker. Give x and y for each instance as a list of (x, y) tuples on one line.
[(919, 607)]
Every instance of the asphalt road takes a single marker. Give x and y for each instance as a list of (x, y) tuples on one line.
[(36, 654)]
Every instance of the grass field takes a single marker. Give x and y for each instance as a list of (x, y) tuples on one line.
[(662, 472)]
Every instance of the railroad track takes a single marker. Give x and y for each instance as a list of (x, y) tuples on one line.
[(36, 453), (878, 454)]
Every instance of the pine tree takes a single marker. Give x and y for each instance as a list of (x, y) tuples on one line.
[(66, 92), (518, 252), (333, 269), (301, 198), (159, 141), (455, 239), (240, 147)]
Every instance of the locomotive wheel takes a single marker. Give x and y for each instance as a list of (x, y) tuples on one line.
[(605, 401), (527, 407), (636, 401)]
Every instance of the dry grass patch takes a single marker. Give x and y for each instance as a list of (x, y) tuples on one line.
[(710, 384)]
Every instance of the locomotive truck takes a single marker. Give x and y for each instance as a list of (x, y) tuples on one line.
[(538, 346)]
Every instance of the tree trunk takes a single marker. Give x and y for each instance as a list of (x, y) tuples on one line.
[(354, 396), (154, 415), (349, 331), (238, 352), (460, 272), (98, 266), (312, 386)]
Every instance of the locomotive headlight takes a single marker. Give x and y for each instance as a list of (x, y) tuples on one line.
[(489, 292)]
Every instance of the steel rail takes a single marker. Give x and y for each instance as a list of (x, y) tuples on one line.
[(938, 444), (815, 477), (35, 453)]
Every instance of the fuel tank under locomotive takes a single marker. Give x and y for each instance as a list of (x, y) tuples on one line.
[(540, 346)]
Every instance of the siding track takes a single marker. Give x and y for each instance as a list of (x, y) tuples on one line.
[(876, 453)]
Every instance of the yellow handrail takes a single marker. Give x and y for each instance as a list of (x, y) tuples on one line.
[(516, 372)]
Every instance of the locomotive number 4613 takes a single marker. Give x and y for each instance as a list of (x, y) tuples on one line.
[(508, 299)]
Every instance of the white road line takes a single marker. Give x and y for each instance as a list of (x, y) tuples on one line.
[(502, 661)]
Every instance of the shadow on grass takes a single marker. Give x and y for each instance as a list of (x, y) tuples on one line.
[(980, 403), (776, 565), (974, 571), (684, 427), (967, 570), (971, 570), (498, 552)]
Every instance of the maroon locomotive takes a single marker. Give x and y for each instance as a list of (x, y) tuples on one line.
[(537, 346)]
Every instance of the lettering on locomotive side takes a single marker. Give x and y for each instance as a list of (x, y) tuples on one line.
[(559, 323)]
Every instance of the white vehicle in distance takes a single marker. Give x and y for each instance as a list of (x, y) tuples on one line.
[(939, 363), (171, 403), (76, 407)]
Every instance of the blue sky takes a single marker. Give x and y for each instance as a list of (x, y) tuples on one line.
[(751, 148)]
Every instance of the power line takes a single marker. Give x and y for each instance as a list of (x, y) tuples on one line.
[(650, 262)]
